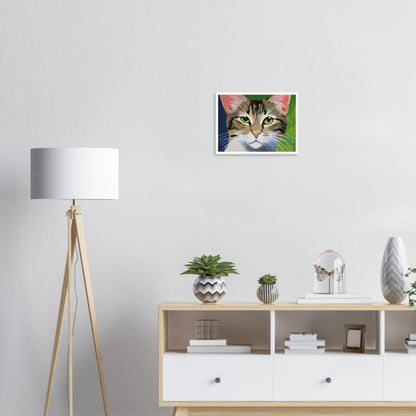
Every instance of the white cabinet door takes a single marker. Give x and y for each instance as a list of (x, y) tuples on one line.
[(399, 378), (218, 377), (328, 377)]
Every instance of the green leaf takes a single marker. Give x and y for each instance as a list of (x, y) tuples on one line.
[(267, 279), (209, 266)]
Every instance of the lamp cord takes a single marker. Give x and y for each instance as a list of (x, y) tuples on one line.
[(75, 315)]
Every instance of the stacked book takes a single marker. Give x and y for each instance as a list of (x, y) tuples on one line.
[(411, 344), (216, 346), (333, 298), (304, 343)]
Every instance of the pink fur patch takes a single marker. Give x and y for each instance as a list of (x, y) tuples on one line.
[(231, 102), (282, 101)]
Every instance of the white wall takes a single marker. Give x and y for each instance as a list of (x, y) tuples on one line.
[(141, 76)]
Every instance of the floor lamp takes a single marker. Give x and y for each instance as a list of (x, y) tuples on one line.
[(74, 173)]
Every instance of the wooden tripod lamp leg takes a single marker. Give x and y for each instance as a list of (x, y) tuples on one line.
[(69, 273), (64, 294), (88, 289)]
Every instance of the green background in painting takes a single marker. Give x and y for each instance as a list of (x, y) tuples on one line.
[(288, 142)]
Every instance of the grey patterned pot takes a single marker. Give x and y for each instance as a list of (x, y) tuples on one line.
[(267, 293), (209, 289), (393, 270)]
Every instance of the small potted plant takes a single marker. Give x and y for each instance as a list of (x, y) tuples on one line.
[(267, 291), (209, 286)]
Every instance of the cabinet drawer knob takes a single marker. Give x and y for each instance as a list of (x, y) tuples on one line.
[(328, 380), (217, 380)]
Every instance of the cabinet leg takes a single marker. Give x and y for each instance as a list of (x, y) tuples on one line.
[(181, 411)]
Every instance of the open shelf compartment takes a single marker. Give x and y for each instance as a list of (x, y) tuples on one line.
[(237, 327), (329, 326), (398, 325)]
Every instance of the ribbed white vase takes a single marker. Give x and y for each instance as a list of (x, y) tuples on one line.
[(267, 293), (393, 270)]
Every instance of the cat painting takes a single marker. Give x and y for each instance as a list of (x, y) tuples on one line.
[(256, 123)]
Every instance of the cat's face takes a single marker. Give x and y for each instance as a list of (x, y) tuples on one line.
[(255, 125)]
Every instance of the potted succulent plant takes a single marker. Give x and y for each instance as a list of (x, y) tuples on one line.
[(267, 291), (209, 286)]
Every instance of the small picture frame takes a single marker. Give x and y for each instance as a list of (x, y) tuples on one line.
[(354, 338)]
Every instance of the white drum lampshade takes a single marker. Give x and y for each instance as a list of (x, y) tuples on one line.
[(74, 173)]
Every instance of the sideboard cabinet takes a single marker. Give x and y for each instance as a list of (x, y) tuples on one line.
[(269, 382)]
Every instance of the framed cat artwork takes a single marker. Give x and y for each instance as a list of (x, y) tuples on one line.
[(256, 124)]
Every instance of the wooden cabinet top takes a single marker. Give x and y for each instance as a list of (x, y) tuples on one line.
[(283, 306)]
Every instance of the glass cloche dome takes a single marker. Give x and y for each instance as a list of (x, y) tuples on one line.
[(329, 273)]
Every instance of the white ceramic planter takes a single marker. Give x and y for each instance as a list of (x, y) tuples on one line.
[(209, 289), (267, 293)]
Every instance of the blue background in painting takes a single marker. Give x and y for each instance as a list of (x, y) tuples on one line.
[(222, 127)]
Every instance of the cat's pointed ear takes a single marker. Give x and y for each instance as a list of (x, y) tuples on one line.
[(231, 102), (282, 101)]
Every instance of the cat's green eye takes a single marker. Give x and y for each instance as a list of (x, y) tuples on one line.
[(268, 120), (245, 119)]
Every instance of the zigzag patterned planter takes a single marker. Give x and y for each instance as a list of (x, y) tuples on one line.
[(209, 289), (393, 269)]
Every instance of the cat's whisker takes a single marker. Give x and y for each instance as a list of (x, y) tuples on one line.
[(223, 139), (289, 137), (289, 142)]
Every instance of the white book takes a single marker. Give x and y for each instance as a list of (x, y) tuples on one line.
[(410, 342), (304, 344), (302, 348), (303, 336), (331, 296), (410, 350), (207, 342), (319, 350), (317, 301), (219, 349), (412, 337)]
